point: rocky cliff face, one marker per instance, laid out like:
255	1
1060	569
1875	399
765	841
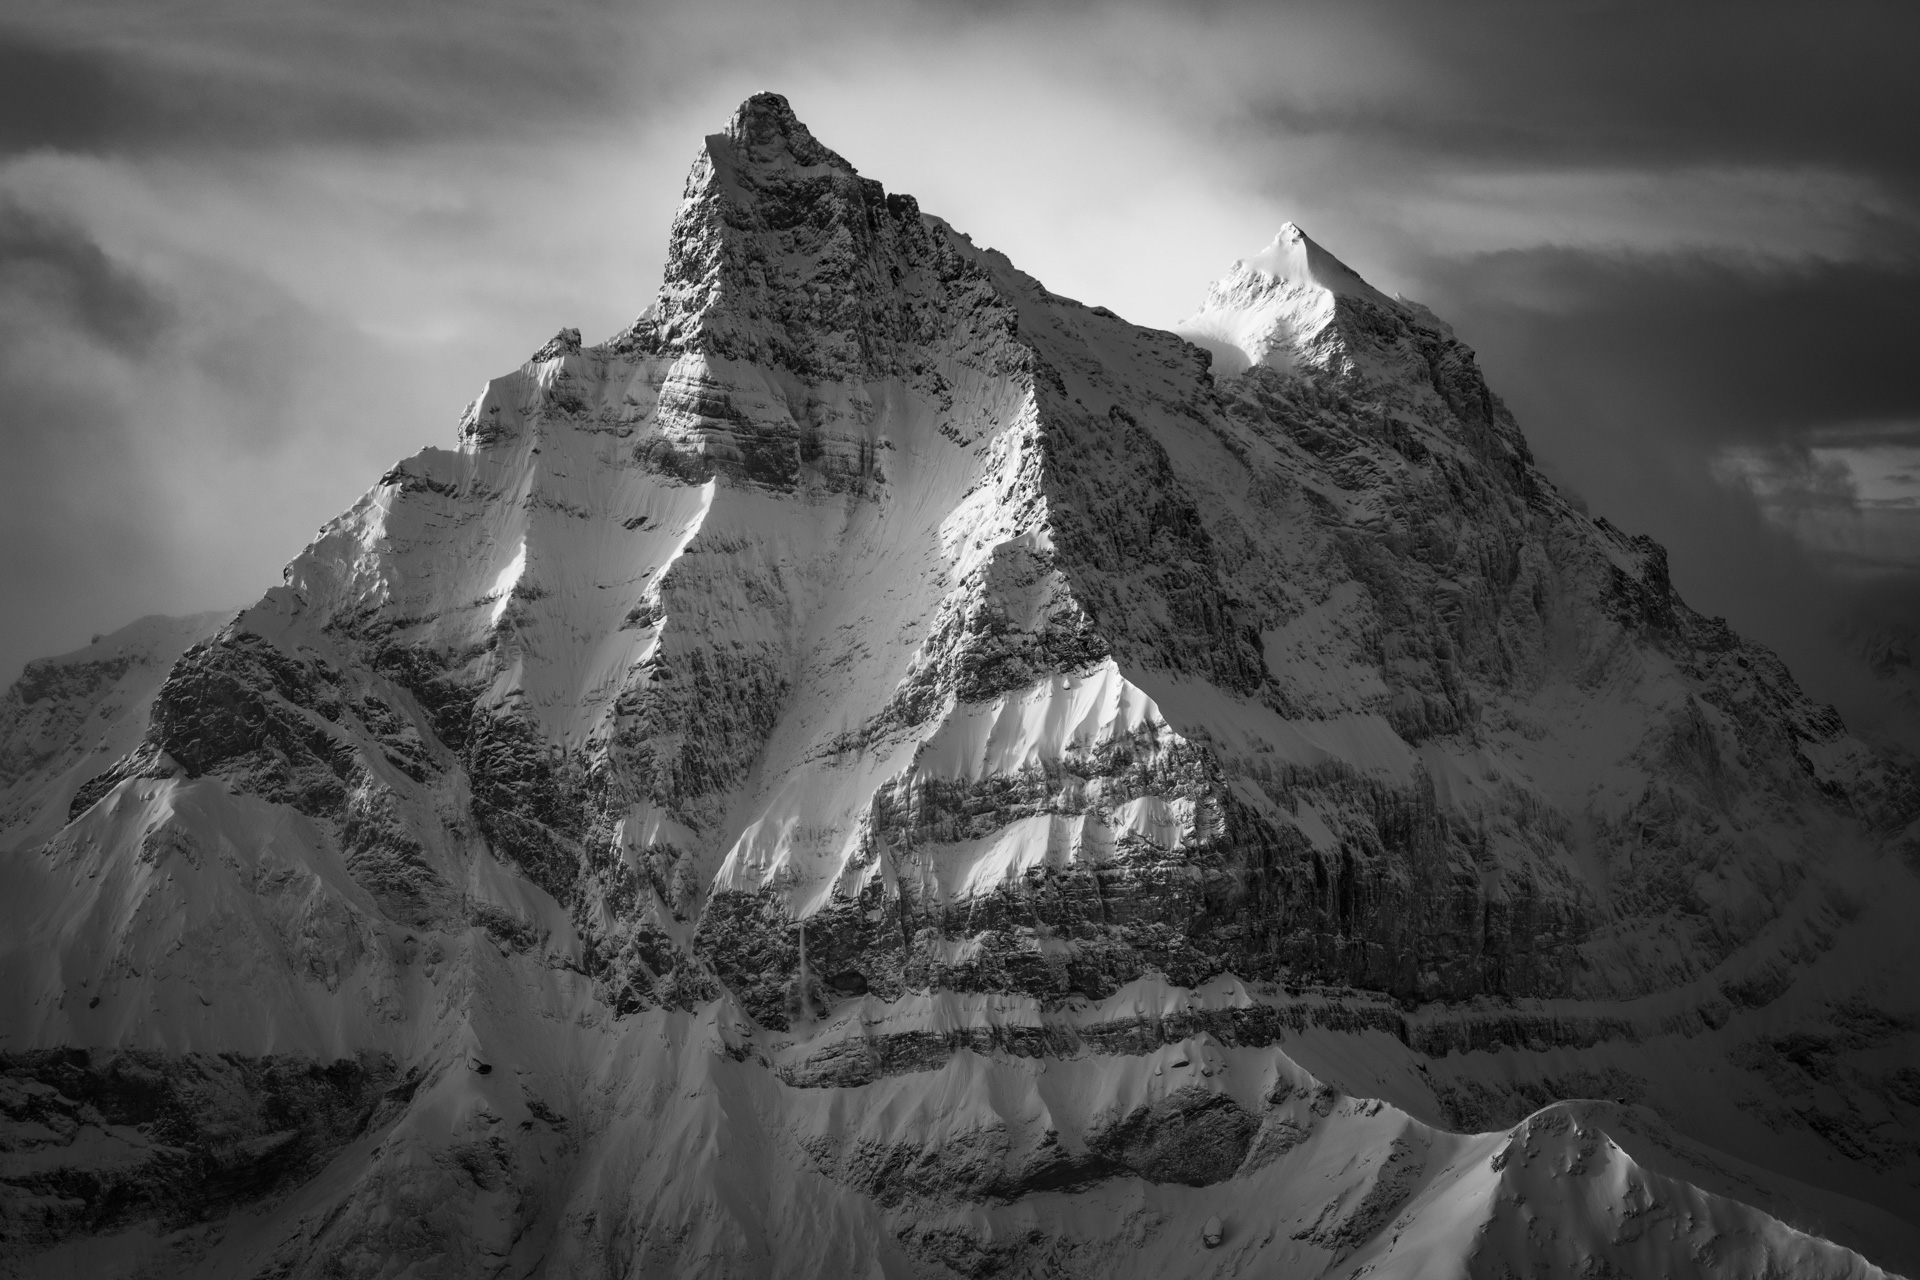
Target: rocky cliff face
882	769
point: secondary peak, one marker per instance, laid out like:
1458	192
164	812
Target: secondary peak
1295	256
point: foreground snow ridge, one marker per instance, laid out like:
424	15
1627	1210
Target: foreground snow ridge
878	769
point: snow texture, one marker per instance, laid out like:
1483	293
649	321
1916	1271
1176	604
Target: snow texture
879	769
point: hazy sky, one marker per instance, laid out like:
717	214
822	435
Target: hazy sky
253	252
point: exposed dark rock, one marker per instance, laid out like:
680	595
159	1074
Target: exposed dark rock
197	1135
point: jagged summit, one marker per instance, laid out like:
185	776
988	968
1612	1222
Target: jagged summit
1282	307
884	770
764	130
781	253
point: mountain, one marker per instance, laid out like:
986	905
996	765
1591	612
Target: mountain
1884	650
69	717
879	769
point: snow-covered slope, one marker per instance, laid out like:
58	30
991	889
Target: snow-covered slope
67	718
879	769
1275	308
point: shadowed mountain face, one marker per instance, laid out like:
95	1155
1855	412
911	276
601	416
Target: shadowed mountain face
881	769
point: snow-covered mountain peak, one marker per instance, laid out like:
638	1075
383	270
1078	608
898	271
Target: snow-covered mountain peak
1295	259
882	769
1279	308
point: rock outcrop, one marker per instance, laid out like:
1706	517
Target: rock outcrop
880	768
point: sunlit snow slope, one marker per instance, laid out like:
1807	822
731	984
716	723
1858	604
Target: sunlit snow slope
879	769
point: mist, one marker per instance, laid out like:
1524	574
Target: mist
250	255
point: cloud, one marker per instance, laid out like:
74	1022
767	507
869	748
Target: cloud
1747	415
251	253
1614	85
1774	216
1849	494
124	79
1713	348
53	262
167	447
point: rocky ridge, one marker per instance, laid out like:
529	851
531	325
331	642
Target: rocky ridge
872	716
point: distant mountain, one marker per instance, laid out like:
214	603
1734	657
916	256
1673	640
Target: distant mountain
1887	651
879	769
67	718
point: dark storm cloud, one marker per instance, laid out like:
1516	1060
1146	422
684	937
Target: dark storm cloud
1866	435
88	99
1717	348
240	79
1655	83
50	265
52	97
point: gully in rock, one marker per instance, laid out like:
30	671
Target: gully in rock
880	767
